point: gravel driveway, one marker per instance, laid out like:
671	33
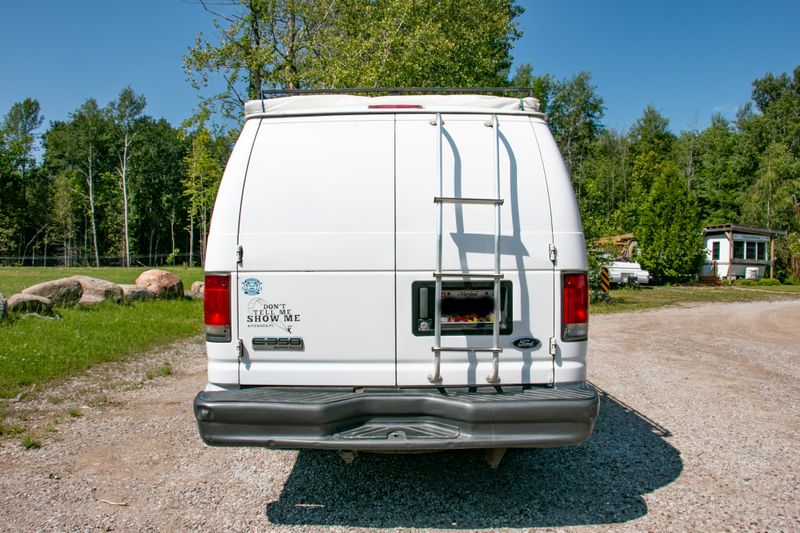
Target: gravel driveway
698	431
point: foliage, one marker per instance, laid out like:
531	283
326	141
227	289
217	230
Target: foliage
203	175
669	230
418	43
352	43
30	443
71	209
763	282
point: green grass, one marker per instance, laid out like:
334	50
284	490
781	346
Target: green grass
652	297
37	350
160	372
14	279
29	443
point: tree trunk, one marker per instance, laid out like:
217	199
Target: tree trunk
191	241
172	230
255	74
127	258
90	185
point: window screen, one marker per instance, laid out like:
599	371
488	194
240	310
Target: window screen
738	249
751	250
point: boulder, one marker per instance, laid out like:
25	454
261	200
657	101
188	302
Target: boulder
62	292
197	292
161	284
132	293
29	303
97	291
3	307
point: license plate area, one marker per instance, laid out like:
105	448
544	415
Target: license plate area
467	307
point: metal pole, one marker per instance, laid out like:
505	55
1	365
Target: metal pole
437	306
495	375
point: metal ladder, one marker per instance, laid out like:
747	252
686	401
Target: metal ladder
439	200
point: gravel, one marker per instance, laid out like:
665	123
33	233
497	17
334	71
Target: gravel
698	430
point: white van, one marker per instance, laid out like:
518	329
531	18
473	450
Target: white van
396	273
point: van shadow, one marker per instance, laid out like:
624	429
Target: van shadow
599	482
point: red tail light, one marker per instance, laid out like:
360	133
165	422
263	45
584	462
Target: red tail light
575	302
217	307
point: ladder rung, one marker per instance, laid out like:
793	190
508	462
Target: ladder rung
451	200
445	349
463	275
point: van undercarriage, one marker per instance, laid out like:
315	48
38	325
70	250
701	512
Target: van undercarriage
398	419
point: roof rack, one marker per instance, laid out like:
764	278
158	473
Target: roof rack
272	93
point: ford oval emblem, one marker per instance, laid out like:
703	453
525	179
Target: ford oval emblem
526	343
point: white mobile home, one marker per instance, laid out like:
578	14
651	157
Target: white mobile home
739	252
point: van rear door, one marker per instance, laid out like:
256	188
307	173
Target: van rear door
315	286
468	246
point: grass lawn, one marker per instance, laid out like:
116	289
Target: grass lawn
36	350
650	297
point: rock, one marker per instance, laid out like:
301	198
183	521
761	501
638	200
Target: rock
133	293
97	291
29	303
62	292
197	291
3	307
161	284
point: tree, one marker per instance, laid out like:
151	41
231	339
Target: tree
158	182
203	174
717	181
125	112
778	100
9	191
353	43
669	230
608	199
418	43
651	133
81	148
774	198
29	190
541	86
19	129
575	114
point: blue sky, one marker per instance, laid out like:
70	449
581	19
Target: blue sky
689	59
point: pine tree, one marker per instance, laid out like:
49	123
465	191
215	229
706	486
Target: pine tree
670	228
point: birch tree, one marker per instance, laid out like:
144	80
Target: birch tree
203	174
89	124
125	112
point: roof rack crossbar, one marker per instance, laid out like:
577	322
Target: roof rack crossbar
271	93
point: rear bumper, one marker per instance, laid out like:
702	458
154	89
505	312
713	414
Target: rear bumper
397	419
